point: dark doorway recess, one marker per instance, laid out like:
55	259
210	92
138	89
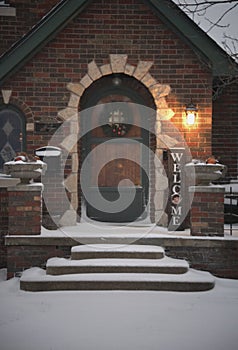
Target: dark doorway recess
119	124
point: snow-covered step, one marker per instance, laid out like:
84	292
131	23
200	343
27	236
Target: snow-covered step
36	279
116	251
57	266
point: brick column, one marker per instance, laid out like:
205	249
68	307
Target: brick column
207	211
5	182
3	225
24	209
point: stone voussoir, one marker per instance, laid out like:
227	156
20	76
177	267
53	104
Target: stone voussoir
93	71
118	63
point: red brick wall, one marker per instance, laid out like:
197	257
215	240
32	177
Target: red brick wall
103	28
23	257
3	225
225	128
217	257
207	213
220	257
24	212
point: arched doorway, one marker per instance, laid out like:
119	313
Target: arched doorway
118	134
12	133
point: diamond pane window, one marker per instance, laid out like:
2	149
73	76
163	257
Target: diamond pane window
12	134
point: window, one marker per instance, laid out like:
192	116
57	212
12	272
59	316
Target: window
12	133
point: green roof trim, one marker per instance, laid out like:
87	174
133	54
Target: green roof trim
24	49
39	35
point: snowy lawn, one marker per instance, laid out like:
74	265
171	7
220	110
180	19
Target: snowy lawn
119	320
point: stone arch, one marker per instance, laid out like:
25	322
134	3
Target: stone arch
117	64
7	98
13	132
25	115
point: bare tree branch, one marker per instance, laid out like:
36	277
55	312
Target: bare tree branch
230	44
203	12
199	9
218	21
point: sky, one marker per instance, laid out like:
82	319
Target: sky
229	22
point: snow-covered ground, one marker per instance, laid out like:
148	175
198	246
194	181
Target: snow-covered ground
118	320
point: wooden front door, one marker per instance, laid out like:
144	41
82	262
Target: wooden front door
116	152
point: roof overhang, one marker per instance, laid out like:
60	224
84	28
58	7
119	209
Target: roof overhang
220	63
24	49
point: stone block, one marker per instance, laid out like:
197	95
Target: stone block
68	113
71	182
148	80
86	81
6	95
106	69
77	89
160	90
164	114
73	100
70	142
161	103
129	69
118	63
93	71
69	218
74	200
75	162
142	69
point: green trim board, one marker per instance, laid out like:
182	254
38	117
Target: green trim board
31	43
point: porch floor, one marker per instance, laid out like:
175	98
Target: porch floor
136	230
94	232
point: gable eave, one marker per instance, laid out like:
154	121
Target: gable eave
216	58
39	36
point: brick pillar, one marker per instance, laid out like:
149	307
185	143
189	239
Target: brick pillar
24	209
3	225
207	211
5	182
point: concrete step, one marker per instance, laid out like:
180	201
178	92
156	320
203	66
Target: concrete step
61	266
116	251
36	279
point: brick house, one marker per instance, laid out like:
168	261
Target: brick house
60	58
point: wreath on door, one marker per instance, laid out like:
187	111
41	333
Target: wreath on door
117	120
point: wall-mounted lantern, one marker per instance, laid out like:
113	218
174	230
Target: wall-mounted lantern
191	114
